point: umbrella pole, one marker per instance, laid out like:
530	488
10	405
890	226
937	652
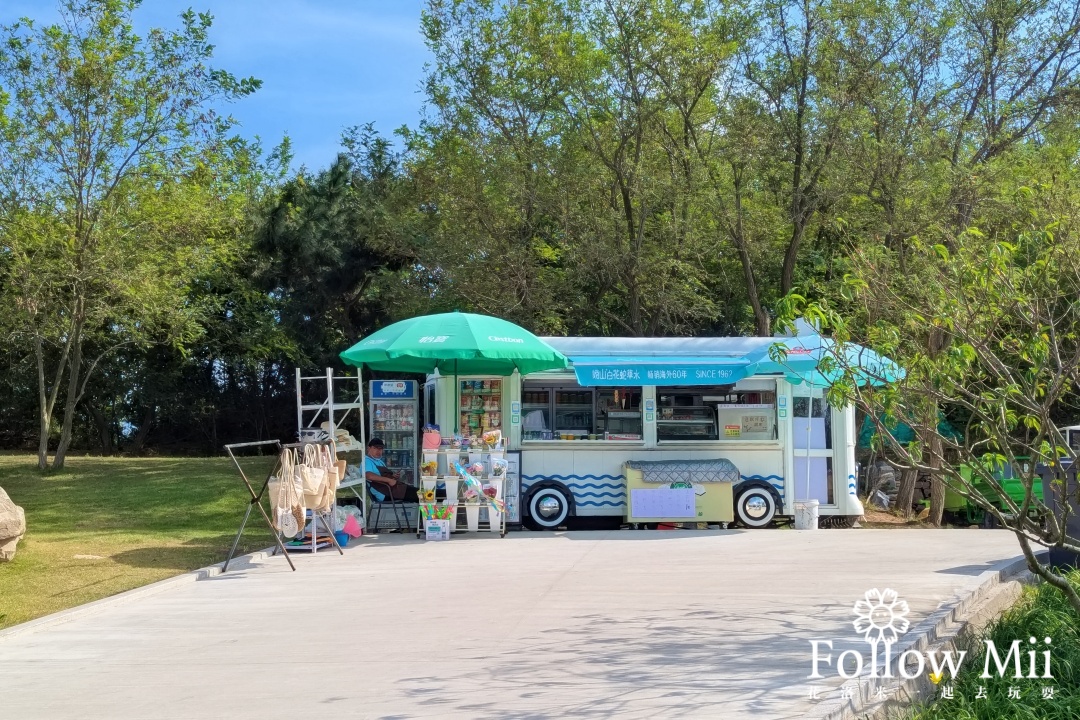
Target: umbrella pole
809	416
363	443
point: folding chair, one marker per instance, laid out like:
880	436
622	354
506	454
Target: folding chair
402	520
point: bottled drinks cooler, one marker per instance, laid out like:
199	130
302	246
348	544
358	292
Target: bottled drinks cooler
393	407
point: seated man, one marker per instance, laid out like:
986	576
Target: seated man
382	481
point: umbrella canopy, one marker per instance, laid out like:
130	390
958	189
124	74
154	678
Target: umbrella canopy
455	343
804	355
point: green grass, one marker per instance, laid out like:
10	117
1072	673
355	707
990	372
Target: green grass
145	518
1041	612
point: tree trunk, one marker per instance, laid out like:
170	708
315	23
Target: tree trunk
144	430
791	256
906	495
103	428
937	482
762	322
44	414
72	399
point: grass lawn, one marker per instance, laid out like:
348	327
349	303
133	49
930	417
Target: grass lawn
1041	612
106	525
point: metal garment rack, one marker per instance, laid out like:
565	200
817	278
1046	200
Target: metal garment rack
310	415
256	498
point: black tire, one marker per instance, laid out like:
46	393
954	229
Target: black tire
548	506
756	504
839	522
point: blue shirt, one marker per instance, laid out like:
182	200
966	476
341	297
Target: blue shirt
372	465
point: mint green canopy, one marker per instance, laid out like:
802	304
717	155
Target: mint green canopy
803	355
456	344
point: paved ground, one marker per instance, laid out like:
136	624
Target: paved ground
537	625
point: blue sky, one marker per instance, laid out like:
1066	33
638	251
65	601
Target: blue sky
325	64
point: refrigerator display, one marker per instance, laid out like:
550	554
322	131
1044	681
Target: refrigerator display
536	414
394	414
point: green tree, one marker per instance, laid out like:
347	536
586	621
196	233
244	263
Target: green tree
333	242
94	119
989	335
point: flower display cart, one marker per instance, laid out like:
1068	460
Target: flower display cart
477	487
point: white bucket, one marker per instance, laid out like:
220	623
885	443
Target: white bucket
806	514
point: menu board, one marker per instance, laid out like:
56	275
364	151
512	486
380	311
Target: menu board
662	502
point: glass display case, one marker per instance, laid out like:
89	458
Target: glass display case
561	411
536	414
573	414
686	423
618	412
747	413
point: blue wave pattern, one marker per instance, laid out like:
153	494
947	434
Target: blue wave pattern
587	488
851	486
775	480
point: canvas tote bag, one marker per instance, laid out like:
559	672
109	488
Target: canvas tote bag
286	496
312	471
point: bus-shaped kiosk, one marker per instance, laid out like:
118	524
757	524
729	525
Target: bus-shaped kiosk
647	430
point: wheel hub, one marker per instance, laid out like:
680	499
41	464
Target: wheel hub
756	507
548	507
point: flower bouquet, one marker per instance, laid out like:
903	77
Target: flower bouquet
492	439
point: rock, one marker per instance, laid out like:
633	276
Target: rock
880	500
12	526
882	476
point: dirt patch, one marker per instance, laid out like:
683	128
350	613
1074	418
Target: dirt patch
883	519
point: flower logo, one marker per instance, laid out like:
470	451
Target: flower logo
881	616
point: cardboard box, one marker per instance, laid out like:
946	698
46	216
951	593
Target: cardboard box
437	529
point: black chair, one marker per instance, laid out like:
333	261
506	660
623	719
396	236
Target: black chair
402	520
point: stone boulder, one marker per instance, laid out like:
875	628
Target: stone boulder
12	526
883	477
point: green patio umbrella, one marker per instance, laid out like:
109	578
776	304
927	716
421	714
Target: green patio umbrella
455	343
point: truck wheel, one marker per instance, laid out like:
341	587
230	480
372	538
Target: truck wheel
756	505
838	521
548	507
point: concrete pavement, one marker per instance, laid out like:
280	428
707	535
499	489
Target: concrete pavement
627	624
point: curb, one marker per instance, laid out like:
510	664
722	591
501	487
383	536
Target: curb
939	631
96	606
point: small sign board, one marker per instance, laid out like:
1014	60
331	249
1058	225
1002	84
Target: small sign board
393	389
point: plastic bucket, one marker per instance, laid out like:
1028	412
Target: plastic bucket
806	514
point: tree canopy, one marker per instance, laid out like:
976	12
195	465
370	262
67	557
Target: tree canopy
657	167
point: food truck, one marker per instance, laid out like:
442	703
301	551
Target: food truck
650	430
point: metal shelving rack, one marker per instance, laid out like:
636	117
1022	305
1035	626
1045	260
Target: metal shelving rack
310	415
